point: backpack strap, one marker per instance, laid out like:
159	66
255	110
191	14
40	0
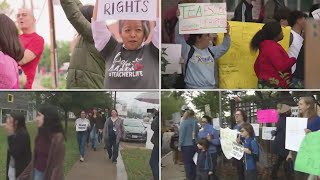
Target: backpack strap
190	54
216	69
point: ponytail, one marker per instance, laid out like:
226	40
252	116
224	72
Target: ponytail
257	39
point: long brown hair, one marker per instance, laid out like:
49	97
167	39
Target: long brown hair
311	111
9	39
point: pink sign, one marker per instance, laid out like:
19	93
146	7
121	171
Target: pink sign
267	116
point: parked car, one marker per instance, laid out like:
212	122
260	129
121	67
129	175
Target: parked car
134	130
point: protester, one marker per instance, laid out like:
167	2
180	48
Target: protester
19	149
211	135
205	168
282	16
87	67
154	159
82	125
10	54
141	68
201	71
278	145
188	133
105	116
89	117
251	151
96	127
243	11
273	65
49	150
113	131
33	44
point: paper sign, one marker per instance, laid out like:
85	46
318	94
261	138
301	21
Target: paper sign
195	158
295	132
236	66
266	133
127	10
256	129
207	109
316	14
172	55
216	123
227	138
267	116
308	158
237	151
81	127
295	111
201	18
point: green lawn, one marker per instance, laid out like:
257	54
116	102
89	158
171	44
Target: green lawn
71	147
136	162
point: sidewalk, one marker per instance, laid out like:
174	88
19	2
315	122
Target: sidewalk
97	167
171	171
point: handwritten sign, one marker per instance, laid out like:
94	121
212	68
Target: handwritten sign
236	66
237	151
316	14
256	128
227	138
201	18
127	10
267	116
81	127
266	133
308	158
295	132
172	55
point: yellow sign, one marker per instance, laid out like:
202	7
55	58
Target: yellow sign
236	66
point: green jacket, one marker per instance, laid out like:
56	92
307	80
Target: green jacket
87	67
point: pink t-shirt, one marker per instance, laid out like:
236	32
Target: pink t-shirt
9	73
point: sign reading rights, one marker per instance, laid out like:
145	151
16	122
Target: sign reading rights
201	18
127	10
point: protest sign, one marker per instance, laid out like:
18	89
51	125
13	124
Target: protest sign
201	18
295	132
256	128
236	66
237	151
216	123
227	138
316	14
266	133
308	158
172	56
127	10
267	116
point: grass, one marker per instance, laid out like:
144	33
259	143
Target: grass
136	162
46	81
71	155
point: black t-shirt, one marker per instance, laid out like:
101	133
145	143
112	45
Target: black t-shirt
111	132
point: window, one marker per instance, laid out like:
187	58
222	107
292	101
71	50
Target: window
10	98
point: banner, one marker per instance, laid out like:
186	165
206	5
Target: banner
267	116
127	10
202	18
266	133
256	129
295	132
236	66
237	151
227	138
308	158
172	53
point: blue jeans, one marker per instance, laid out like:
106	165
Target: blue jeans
154	162
82	138
94	137
189	166
37	175
113	148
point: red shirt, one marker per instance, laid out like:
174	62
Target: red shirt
273	61
35	44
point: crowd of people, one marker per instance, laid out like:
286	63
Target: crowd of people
200	137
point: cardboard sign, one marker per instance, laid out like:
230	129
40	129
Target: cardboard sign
295	132
237	151
216	123
172	55
236	66
316	14
308	158
266	133
256	129
127	10
201	18
267	116
227	138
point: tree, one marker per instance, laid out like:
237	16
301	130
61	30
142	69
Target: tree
171	103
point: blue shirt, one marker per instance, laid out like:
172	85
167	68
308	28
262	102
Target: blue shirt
252	145
314	125
185	132
215	140
204	161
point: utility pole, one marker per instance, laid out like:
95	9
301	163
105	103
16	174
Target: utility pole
53	46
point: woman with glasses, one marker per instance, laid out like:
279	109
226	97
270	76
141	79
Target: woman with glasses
82	125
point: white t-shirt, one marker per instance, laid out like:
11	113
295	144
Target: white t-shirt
12	170
82	124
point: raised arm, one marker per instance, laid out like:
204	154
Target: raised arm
220	50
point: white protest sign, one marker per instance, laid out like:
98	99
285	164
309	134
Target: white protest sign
237	151
295	111
295	132
81	127
172	53
316	14
201	18
266	133
227	138
216	123
256	129
207	109
195	158
127	10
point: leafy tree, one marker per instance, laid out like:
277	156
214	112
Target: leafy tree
171	102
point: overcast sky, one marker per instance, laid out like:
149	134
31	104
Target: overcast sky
129	98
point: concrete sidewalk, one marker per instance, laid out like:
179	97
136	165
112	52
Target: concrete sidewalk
171	171
97	166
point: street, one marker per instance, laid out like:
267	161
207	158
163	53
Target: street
147	145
